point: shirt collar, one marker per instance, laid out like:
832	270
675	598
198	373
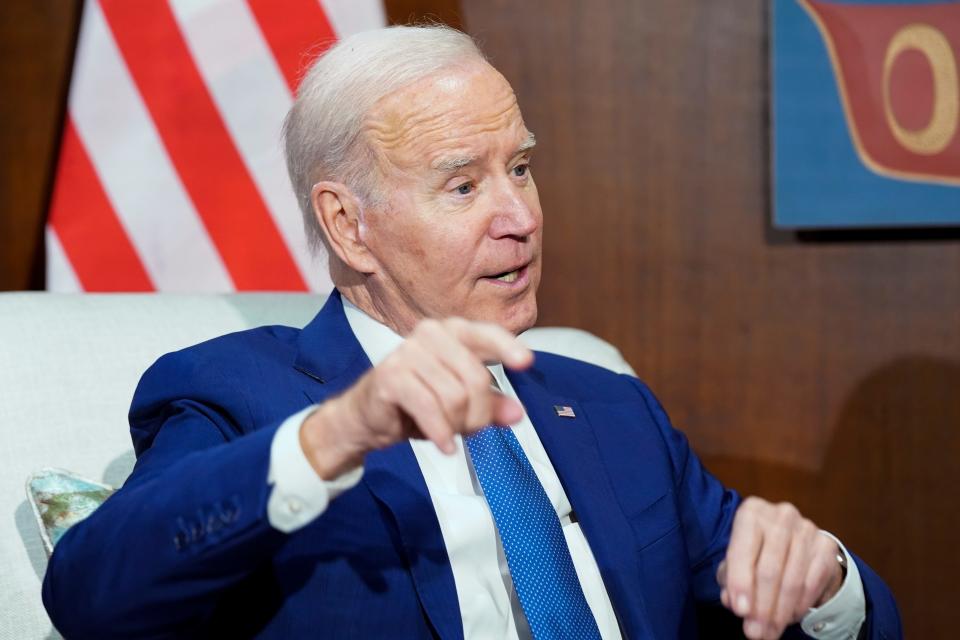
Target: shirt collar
375	338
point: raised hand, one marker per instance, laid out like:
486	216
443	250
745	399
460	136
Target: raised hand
434	386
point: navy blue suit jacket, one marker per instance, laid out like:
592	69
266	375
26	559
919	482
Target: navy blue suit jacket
185	547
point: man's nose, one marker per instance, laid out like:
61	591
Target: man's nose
514	215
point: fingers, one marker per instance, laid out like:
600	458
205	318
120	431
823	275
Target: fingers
459	379
722	581
420	404
462	346
506	411
778	565
444	381
777	539
439	386
742	554
490	342
791	601
472	395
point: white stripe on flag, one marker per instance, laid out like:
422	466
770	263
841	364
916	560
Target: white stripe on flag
252	97
136	173
60	274
348	17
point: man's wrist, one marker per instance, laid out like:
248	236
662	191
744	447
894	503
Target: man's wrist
323	438
298	493
843	615
837	576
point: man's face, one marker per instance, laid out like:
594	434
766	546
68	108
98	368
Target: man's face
459	232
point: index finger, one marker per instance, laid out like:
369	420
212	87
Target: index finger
491	342
742	553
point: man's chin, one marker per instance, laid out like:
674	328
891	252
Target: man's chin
516	316
519	320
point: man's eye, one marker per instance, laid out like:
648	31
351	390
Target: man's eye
520	170
465	188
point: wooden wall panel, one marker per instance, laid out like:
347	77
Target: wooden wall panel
416	11
824	370
37	39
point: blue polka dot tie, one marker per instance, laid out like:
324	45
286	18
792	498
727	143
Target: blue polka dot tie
533	542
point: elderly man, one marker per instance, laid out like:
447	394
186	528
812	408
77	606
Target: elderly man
349	479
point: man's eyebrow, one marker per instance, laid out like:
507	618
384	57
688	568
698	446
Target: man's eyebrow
526	145
451	164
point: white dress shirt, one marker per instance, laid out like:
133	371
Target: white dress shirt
488	603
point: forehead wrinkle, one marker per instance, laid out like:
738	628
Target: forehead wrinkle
391	130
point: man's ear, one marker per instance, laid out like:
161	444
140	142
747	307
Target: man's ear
338	212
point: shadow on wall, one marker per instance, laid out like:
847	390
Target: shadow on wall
889	486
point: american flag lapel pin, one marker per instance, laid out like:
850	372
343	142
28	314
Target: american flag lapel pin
563	411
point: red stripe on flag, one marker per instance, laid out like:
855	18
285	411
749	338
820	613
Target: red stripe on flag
200	146
297	31
96	244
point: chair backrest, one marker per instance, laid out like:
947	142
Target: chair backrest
68	368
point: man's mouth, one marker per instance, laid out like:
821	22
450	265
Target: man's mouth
510	276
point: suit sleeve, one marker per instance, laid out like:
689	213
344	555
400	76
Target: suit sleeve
706	509
189	523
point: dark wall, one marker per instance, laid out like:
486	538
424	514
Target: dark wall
36	48
824	370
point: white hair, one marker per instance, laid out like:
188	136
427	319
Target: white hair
322	132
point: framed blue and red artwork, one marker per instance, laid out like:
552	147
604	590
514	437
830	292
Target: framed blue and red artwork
865	113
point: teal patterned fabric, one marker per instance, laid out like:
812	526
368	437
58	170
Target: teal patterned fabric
61	499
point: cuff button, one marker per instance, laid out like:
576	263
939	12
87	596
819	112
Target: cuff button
820	626
294	505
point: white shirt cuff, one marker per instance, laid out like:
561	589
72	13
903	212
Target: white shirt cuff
299	495
840	617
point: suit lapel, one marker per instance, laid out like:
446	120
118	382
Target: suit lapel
330	355
394	477
328	352
571	444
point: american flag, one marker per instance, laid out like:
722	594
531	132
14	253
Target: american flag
564	411
171	174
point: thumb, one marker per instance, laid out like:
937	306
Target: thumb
506	411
